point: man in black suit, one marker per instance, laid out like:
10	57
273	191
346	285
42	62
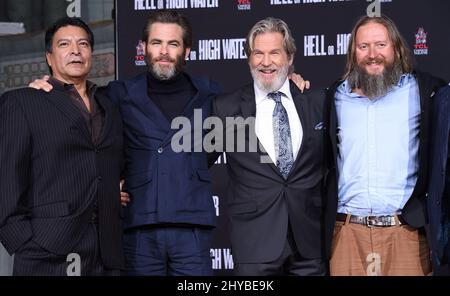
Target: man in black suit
275	195
61	158
438	201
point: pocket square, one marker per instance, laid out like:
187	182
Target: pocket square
319	126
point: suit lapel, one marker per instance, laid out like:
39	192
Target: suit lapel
62	102
332	121
138	92
196	102
300	103
248	109
333	127
248	104
107	106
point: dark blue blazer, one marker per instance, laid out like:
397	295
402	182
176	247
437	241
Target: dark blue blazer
438	202
165	186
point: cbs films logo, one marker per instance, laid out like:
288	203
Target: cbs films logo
244	4
139	58
421	48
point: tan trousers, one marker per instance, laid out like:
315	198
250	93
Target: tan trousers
361	250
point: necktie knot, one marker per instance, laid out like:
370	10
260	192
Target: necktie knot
276	96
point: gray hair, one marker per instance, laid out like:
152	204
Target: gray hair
267	25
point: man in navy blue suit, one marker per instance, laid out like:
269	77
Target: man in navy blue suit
439	186
169	221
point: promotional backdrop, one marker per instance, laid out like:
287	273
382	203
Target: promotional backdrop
321	29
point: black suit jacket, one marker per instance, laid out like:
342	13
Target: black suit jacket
261	202
52	174
439	186
414	212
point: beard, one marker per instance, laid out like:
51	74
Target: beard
375	85
166	72
275	84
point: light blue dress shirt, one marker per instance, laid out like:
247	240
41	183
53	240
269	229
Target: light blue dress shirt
378	143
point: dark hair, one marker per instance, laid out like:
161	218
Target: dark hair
169	17
401	50
64	22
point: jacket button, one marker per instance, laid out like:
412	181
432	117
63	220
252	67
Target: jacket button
99	178
160	150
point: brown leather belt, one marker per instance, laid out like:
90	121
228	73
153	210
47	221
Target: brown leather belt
379	221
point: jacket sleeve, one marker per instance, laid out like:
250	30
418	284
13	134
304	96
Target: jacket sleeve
15	162
116	92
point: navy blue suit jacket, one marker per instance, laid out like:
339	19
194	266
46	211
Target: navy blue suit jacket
165	186
438	197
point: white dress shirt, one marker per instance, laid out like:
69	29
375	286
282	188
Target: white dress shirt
263	122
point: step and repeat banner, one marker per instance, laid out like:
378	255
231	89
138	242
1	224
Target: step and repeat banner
321	29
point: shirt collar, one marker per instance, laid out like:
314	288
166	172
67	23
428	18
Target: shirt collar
60	85
262	95
404	79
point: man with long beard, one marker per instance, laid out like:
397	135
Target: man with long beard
379	124
275	201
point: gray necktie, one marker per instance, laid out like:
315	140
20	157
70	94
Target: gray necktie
282	136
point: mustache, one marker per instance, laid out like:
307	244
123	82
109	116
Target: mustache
264	68
165	58
377	60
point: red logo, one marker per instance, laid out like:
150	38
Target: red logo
421	48
139	58
244	4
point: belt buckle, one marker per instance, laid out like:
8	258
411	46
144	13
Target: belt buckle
368	221
386	220
381	221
